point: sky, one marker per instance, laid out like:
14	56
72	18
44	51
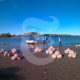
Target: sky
13	14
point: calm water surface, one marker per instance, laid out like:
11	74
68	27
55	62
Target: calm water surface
9	43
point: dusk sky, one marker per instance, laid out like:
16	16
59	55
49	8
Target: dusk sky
14	12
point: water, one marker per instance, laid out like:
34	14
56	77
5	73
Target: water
9	43
67	41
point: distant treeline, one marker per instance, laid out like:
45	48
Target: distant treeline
6	35
52	35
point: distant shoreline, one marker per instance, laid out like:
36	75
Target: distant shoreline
8	35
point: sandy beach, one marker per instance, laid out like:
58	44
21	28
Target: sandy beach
60	69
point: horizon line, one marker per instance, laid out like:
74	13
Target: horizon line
44	33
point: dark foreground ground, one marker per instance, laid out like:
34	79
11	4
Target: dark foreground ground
60	69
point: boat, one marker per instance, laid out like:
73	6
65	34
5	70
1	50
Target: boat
38	39
31	41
